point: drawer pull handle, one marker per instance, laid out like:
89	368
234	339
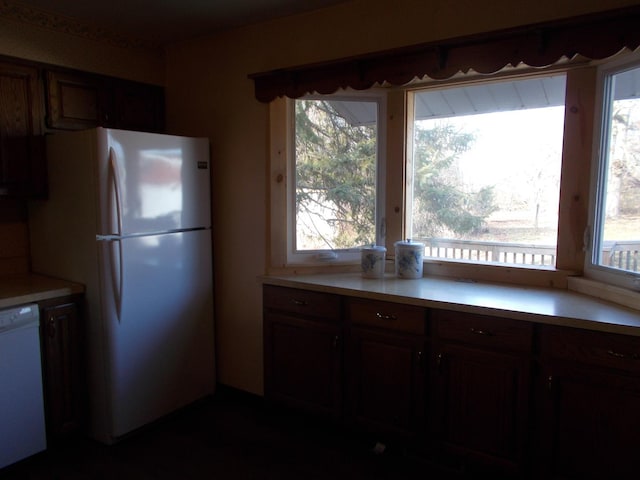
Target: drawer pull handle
633	356
384	316
299	303
481	332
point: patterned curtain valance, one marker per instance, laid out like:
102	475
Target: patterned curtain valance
594	36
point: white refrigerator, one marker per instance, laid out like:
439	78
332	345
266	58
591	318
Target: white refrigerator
128	215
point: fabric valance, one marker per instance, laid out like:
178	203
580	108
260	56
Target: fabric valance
595	36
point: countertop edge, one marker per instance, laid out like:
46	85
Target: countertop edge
575	309
33	288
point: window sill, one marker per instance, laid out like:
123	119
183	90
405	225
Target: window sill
603	291
524	275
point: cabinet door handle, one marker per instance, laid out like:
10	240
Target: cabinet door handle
439	363
336	342
385	316
419	358
51	327
477	331
550	382
633	356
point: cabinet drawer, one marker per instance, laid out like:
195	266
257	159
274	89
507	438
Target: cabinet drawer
483	330
595	348
387	315
302	302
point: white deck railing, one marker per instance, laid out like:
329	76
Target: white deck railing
622	254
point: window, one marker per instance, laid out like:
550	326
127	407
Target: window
337	202
487	172
615	216
485	162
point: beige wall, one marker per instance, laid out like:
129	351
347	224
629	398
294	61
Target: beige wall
208	93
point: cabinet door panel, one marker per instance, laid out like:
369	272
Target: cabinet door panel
139	107
77	101
22	166
63	369
593	426
387	381
480	404
303	364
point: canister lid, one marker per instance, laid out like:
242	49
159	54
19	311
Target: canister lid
408	243
374	248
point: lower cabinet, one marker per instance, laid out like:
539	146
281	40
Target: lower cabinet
588	410
63	366
303	350
386	365
482	393
480	388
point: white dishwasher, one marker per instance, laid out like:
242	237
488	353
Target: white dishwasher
22	423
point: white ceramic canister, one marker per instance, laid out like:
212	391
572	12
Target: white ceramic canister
409	257
373	259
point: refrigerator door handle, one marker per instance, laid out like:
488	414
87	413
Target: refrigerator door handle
120	282
116	275
115	184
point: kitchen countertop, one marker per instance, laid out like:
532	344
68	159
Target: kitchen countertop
540	305
30	288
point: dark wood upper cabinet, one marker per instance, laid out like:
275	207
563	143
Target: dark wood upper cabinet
139	107
21	143
77	100
37	98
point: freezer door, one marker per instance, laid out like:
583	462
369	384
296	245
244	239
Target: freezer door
152	183
158	322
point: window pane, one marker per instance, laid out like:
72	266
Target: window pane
335	174
618	233
486	171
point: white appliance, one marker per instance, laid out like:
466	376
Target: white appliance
21	400
128	215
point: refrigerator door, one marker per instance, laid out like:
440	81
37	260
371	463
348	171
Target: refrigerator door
151	183
158	313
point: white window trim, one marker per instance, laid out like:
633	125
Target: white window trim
342	256
593	271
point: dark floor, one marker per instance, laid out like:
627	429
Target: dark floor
232	435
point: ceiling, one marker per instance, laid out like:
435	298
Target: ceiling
165	21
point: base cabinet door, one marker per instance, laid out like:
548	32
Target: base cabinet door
386	382
593	426
303	350
480	390
385	355
303	364
63	367
588	401
479	405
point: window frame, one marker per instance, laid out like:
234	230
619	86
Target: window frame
598	175
286	163
468	82
574	185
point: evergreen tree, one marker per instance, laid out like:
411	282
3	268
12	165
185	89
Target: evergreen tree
335	177
441	207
